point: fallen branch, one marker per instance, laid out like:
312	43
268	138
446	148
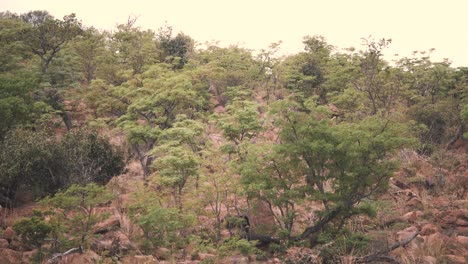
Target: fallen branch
60	255
383	254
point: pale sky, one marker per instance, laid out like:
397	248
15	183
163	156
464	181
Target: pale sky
412	24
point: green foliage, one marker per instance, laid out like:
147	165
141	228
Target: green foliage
464	118
234	246
175	50
33	231
178	155
355	159
42	164
155	106
162	227
46	36
348	244
91	158
75	211
18	108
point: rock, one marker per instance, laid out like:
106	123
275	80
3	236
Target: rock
219	109
437	240
28	255
163	253
4	243
125	243
139	259
88	257
206	256
452	259
406	233
461	230
463	240
10	256
429	229
107	225
412	216
415	203
9	233
236	259
428	260
99	246
461	222
452	216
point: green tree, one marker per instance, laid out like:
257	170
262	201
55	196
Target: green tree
380	83
77	204
133	47
47	36
178	156
163	95
41	164
174	50
342	165
162	227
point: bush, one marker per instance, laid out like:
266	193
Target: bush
33	231
243	246
42	164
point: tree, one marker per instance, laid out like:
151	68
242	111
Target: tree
174	50
18	106
89	47
306	71
379	82
13	52
154	107
162	227
133	47
42	164
178	156
342	165
77	204
47	36
227	68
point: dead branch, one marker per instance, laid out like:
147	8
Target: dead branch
60	255
383	254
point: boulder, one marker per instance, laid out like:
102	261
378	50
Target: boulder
206	256
236	259
428	260
107	225
463	240
406	233
461	230
28	255
10	256
412	216
429	229
125	243
437	240
88	257
163	253
415	203
461	222
139	259
9	234
452	259
4	243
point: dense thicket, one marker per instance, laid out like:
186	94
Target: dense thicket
218	131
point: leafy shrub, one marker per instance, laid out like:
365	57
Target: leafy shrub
41	163
234	245
33	231
75	215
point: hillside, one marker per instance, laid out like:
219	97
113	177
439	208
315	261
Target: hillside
136	146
